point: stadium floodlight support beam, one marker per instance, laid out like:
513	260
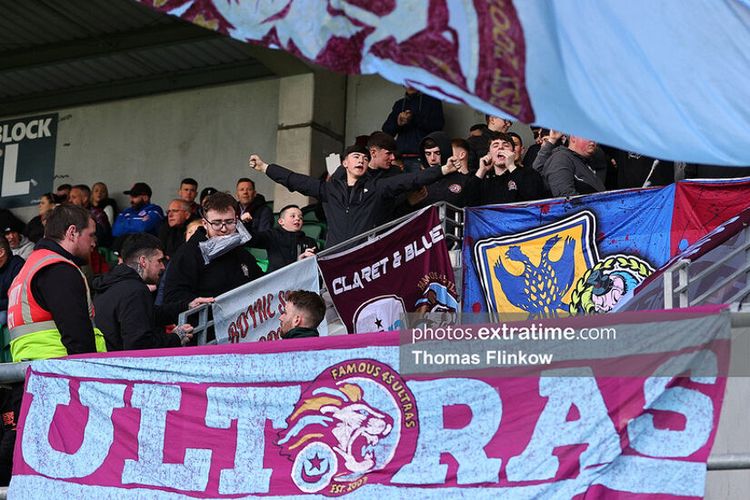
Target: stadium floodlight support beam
684	279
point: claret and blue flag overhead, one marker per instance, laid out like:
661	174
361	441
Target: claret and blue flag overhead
666	79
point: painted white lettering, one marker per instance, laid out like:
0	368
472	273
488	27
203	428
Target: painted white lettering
10	165
155	401
44	128
226	404
98	433
466	445
593	427
32	134
697	408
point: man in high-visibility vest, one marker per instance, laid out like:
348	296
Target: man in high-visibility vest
50	313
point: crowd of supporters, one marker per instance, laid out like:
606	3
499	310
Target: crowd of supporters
210	241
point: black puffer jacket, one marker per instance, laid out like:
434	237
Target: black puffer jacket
125	312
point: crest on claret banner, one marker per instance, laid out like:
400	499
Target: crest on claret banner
348	426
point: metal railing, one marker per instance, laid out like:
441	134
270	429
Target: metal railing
684	279
451	219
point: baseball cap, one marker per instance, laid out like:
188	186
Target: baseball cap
355	148
138	189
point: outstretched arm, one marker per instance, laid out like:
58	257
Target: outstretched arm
293	181
392	186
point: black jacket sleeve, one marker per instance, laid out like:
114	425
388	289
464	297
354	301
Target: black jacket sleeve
473	190
60	289
135	317
391	123
263	219
168	312
392	186
14	267
293	181
182	279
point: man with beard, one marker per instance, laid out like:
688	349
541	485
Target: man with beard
142	216
50	313
303	313
125	310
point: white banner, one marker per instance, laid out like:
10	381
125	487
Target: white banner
251	312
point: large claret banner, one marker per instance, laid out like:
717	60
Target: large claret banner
336	415
405	270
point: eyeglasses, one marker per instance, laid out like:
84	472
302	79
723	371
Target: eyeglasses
218	224
174	211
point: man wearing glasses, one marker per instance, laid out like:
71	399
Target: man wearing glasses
214	260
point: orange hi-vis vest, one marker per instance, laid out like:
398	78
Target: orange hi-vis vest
33	332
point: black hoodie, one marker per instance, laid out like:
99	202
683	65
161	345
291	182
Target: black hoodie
126	314
449	188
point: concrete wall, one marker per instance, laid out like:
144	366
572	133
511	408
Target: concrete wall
207	133
204	133
369	99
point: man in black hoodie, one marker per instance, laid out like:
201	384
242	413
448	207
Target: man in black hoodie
353	202
125	309
436	149
413	117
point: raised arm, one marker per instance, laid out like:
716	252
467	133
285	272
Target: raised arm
309	186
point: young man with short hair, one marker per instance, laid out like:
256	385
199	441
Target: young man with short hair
187	192
510	184
204	268
353	202
303	313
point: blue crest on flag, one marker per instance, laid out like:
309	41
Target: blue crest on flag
531	275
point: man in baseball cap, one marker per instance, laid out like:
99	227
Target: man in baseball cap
142	216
